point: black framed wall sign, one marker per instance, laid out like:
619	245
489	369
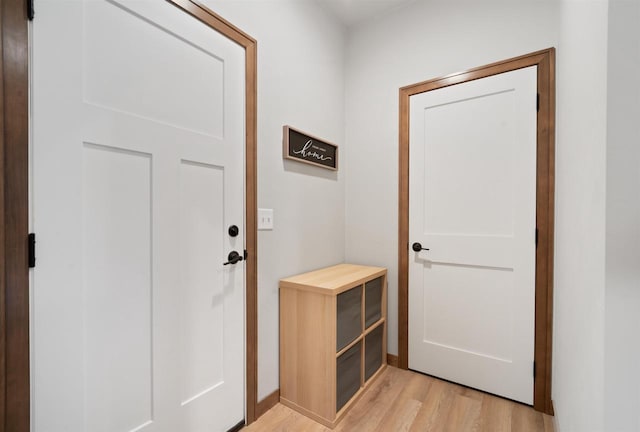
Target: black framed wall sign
306	148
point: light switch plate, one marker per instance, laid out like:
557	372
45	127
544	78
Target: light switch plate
265	219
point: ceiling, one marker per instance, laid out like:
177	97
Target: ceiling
353	11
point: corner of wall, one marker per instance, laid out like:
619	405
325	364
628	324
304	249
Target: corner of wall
579	293
622	377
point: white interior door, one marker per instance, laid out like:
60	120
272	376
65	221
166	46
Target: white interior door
472	204
137	173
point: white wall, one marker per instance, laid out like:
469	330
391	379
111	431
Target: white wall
300	83
423	40
622	323
578	345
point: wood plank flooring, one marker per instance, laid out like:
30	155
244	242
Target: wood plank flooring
407	401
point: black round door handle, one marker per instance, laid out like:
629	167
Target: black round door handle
233	258
417	247
233	231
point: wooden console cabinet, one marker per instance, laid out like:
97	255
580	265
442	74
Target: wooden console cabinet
333	338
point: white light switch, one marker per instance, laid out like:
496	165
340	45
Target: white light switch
265	219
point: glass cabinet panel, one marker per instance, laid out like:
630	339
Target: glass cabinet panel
348	375
373	351
349	319
373	301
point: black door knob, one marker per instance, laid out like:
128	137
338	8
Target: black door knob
233	258
417	247
233	231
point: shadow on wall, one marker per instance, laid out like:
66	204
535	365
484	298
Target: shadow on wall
309	170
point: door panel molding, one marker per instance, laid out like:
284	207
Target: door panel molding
545	60
14	203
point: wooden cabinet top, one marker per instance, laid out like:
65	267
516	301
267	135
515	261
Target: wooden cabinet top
333	280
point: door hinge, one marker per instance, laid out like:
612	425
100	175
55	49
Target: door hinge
534	370
32	250
538	102
536	236
30	10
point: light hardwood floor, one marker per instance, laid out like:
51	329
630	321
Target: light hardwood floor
407	401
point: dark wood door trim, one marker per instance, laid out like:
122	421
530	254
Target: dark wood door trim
545	60
14	272
14	204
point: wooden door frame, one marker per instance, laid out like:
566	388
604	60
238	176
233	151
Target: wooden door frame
14	205
545	60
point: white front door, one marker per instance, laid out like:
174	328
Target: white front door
472	204
137	173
